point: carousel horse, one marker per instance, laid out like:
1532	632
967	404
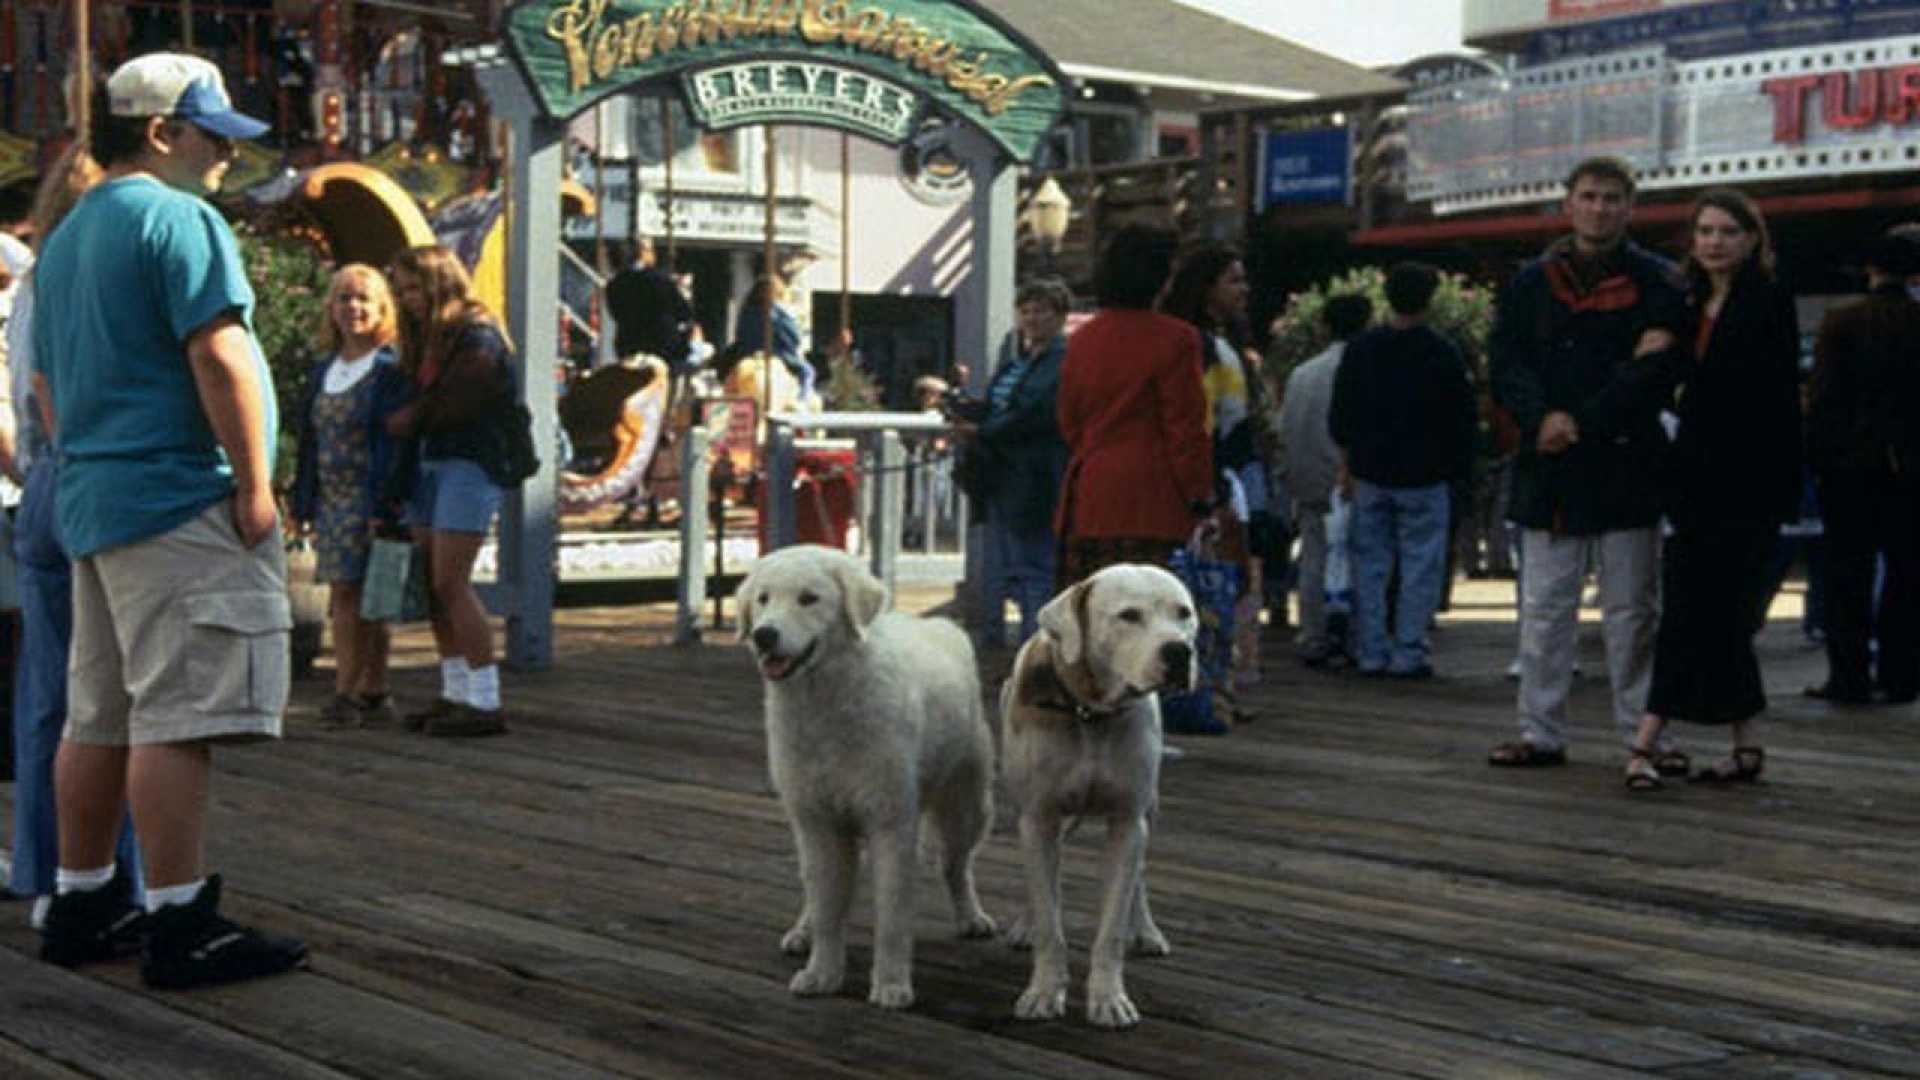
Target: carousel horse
614	417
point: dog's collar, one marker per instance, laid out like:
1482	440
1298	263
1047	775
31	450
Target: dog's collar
1072	686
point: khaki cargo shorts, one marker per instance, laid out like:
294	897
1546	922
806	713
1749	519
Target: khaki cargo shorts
180	638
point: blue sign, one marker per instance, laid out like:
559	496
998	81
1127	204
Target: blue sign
1306	167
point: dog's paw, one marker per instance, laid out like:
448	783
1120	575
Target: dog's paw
1042	1001
797	941
1151	942
1111	1008
894	995
978	925
808	982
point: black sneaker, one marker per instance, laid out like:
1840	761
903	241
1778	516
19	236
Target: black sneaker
89	927
420	718
191	945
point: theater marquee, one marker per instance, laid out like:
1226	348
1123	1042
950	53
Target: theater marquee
871	67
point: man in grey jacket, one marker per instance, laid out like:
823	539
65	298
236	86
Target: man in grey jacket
1310	465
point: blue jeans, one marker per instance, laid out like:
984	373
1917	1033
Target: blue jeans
1019	567
39	715
1409	524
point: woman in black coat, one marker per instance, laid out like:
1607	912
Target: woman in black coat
1733	477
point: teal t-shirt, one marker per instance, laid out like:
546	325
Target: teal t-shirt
125	280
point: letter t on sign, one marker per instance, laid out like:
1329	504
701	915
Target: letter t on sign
1790	105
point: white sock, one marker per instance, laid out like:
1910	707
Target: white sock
37	918
173	895
453	678
483	687
66	881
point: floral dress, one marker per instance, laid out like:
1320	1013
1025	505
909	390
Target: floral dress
341	537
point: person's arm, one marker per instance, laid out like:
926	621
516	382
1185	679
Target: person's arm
43	401
469	385
220	356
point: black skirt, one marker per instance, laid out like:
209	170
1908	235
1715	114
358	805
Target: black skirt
1704	666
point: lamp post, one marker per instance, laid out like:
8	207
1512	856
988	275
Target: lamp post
1050	211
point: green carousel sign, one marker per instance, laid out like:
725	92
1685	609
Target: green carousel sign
872	67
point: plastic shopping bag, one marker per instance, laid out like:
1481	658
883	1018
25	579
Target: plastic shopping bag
396	585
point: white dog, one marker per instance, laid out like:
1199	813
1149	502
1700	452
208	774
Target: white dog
872	721
1082	737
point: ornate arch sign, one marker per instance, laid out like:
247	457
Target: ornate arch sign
872	67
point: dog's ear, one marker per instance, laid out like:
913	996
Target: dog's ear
1064	618
743	608
863	598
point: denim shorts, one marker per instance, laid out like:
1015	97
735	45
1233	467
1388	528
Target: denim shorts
453	495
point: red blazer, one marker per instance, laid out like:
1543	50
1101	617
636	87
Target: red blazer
1134	417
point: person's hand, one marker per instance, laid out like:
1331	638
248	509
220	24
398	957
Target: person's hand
1652	341
1557	432
254	515
964	429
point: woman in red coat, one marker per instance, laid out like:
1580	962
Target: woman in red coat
1133	414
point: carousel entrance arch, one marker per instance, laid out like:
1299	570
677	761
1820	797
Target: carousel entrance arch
877	69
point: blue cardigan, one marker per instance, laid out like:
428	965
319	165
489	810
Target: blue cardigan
392	389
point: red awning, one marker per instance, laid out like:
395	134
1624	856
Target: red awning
1512	226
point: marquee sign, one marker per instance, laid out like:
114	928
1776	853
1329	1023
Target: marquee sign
871	67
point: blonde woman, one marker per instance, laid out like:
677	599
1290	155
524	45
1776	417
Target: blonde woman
345	459
461	364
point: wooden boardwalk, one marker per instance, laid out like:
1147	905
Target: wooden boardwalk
1349	890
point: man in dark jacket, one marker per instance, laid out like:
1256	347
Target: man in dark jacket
1585	478
650	313
1403	416
1863	441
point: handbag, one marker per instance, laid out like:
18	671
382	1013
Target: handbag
514	458
395	589
1215	584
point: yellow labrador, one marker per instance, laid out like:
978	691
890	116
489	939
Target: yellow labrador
874	720
1081	737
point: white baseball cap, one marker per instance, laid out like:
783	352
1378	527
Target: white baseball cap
187	87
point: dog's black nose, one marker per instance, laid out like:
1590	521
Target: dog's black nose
766	639
1177	656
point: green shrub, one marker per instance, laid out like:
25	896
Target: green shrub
289	277
1461	310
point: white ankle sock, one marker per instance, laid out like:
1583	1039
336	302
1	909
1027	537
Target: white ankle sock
66	881
483	687
37	918
173	895
453	678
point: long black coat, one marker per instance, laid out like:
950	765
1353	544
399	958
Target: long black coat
1737	456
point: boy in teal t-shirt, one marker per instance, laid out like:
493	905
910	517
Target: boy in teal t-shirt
164	422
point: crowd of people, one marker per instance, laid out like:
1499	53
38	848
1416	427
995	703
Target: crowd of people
1647	423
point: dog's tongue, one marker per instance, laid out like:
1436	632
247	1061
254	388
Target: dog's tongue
776	667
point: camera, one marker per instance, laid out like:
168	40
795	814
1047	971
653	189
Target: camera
957	405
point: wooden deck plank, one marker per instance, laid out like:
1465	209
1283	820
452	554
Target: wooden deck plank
1350	891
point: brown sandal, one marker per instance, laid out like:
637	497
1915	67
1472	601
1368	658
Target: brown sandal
1672	762
1521	754
1744	767
1642	773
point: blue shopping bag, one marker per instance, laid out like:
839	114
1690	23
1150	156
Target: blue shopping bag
1215	584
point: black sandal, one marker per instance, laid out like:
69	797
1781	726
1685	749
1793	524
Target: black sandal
1744	767
1672	761
1642	773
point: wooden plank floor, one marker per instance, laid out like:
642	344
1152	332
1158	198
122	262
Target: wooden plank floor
1349	890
